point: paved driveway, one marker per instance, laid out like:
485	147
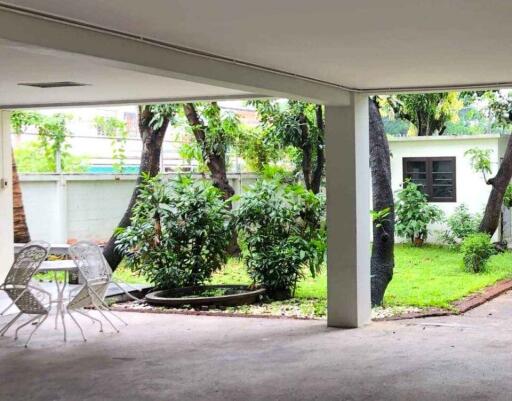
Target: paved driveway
172	357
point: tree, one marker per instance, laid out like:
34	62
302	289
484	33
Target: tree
153	123
52	135
214	132
382	259
116	130
300	126
256	150
19	121
500	106
427	112
21	232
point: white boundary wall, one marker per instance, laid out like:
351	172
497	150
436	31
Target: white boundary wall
61	208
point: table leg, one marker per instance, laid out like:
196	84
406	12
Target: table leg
64	285
55	278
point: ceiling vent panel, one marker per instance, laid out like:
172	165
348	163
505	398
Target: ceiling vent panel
50	85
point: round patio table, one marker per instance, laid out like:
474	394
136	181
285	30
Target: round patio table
56	266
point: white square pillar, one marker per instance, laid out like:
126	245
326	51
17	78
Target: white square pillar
348	214
6	216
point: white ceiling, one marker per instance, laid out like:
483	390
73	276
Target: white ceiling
361	44
104	84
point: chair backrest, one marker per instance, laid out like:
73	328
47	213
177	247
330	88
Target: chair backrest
41	243
25	265
90	261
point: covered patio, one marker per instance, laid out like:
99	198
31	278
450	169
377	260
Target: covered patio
172	357
62	53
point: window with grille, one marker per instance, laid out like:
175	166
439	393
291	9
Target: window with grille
436	176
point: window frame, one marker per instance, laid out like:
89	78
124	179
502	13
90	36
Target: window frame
429	161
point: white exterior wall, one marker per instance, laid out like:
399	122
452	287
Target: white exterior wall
470	186
62	208
6	216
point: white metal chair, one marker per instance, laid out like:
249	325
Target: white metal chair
46	246
96	276
22	293
105	267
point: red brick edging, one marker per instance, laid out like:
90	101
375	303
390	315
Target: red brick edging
466	304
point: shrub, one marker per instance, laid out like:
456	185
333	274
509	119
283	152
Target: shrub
507	197
282	231
476	250
178	234
414	214
461	224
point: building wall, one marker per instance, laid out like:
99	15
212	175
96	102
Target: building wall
63	208
6	215
470	186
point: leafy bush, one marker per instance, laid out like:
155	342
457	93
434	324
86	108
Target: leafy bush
461	224
507	197
178	234
282	231
414	214
476	251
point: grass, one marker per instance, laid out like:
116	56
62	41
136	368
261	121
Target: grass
431	276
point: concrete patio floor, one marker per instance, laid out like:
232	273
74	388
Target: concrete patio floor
173	357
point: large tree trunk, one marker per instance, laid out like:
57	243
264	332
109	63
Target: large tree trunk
216	162
21	233
318	172
152	140
499	184
307	170
382	259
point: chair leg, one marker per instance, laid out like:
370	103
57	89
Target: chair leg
13	302
9	324
61	311
101	304
77	324
41	321
107	319
126	292
92	318
25	324
117	317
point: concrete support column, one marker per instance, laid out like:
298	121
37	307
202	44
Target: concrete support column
348	212
6	216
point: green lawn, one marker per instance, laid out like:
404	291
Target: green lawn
431	276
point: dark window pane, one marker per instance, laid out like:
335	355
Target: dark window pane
416	167
442	191
416	171
442	178
442	166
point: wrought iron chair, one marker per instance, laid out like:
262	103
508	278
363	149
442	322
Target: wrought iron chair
104	266
46	246
22	293
96	276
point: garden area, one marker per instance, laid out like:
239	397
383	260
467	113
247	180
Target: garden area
189	237
428	277
181	230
